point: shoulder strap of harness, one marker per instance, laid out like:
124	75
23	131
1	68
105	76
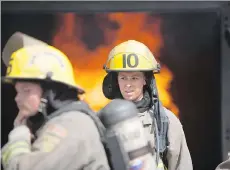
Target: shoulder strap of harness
161	121
82	107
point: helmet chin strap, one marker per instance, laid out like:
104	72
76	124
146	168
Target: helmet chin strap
36	121
43	107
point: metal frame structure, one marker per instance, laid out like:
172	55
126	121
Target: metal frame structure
222	8
107	6
225	81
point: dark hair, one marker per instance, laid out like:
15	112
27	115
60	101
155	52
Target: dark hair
57	95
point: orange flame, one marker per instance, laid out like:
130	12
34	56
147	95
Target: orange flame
88	63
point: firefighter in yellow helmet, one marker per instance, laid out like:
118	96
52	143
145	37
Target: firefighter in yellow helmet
130	67
53	129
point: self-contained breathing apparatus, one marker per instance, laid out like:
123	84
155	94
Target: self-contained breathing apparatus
125	137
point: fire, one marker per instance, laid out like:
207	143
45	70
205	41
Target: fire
88	63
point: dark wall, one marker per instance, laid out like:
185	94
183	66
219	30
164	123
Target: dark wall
191	50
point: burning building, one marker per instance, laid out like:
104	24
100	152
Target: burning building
187	39
88	54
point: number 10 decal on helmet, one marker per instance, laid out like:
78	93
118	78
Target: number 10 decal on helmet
122	58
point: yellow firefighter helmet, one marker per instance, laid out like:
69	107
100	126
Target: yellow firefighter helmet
131	55
27	58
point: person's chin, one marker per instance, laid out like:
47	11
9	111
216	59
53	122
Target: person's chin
130	98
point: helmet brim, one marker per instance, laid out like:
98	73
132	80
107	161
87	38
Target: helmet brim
132	70
12	80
